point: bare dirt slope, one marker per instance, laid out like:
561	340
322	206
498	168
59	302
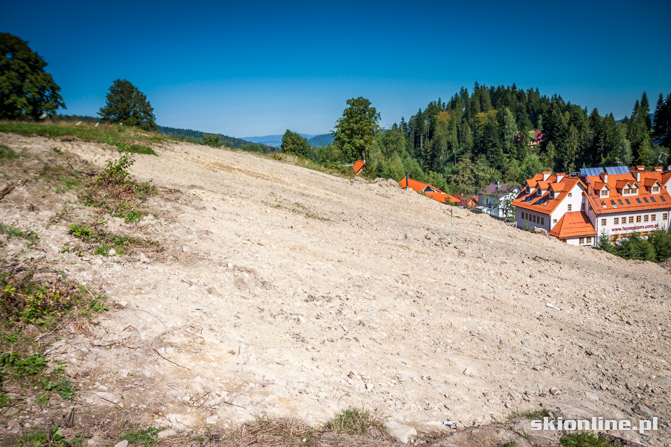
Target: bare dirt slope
289	292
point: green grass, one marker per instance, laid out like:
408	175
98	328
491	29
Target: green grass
537	414
125	139
102	241
29	236
584	439
353	422
145	438
509	444
7	153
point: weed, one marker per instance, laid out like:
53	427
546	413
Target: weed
57	150
116	171
52	439
29	236
80	231
584	439
509	444
145	438
7	153
64	388
537	414
354	422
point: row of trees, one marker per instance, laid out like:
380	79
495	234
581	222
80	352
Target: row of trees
474	139
27	91
656	248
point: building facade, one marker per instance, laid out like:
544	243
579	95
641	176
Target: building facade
613	201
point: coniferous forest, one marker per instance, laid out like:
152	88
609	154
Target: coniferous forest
485	135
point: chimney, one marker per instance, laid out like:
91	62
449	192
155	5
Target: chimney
637	174
640	167
560	176
604	177
658	169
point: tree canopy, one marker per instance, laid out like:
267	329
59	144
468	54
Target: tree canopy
129	106
293	143
355	130
26	90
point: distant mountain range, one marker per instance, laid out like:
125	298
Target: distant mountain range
276	140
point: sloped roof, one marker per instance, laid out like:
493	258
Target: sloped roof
416	185
358	166
544	203
498	188
643	200
572	225
442	197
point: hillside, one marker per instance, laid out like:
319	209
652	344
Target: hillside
276	140
267	288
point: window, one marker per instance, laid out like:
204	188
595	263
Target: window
645	218
665	216
653	199
604	193
631	219
582	240
570	194
628	202
638	219
653	217
542	220
603	222
589	240
569	207
616	221
645	199
620	202
655	189
554	221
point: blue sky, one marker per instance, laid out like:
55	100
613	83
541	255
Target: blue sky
257	68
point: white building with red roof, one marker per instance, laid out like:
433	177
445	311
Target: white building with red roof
615	201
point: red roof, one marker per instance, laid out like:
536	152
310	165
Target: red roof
358	166
418	186
530	199
430	190
617	202
571	225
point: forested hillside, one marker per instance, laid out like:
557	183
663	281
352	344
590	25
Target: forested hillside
482	136
196	136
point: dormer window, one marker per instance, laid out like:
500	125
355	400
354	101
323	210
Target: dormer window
604	193
655	190
634	190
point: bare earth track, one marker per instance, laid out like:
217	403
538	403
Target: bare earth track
288	292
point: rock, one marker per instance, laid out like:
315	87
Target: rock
643	410
211	420
123	443
109	398
538	230
144	259
403	433
591	395
468	372
167	433
112	252
554	391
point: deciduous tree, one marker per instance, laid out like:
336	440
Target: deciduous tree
26	90
355	130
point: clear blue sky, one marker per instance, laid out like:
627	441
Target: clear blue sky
256	68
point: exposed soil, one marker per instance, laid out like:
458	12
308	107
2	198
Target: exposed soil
284	291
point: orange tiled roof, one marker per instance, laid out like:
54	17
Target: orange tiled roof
617	203
574	224
544	204
358	166
442	197
416	185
